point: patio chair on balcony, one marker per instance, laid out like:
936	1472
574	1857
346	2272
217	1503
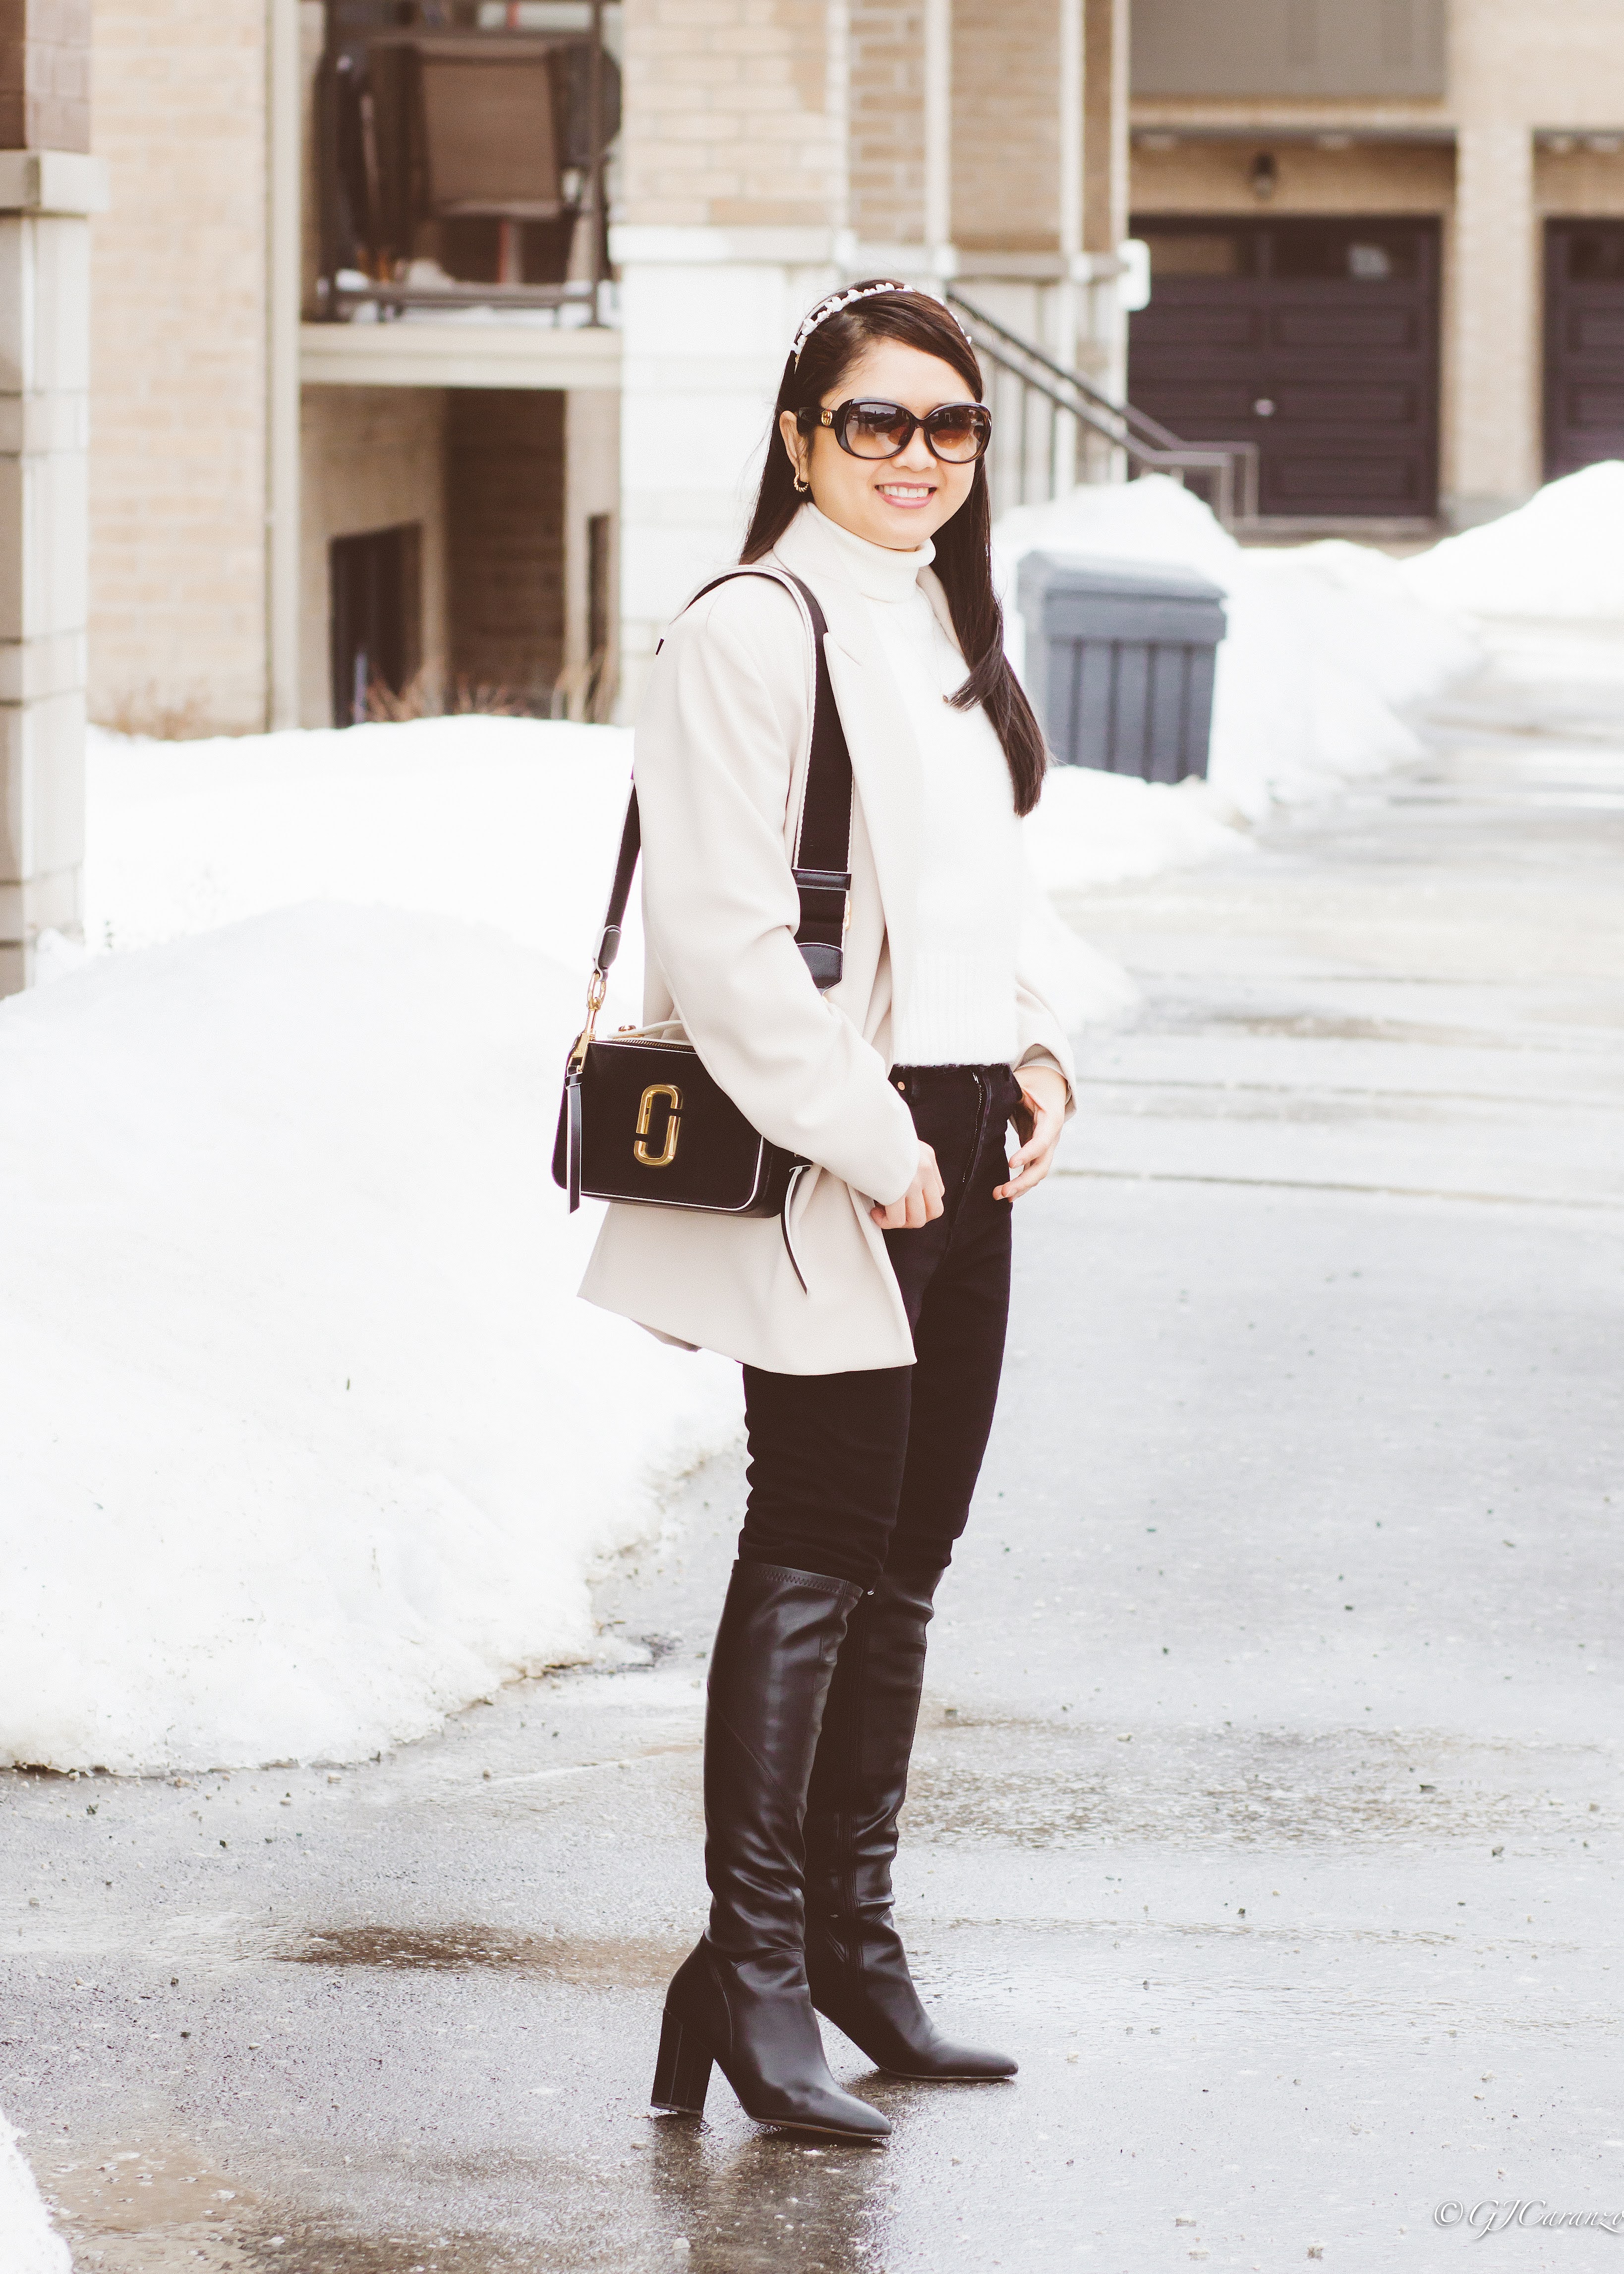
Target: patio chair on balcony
452	162
486	146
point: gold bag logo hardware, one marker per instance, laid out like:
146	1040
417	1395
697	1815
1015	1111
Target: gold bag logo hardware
645	1113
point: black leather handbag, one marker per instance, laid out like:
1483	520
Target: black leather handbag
641	1119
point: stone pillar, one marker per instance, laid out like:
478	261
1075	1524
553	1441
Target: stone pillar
1103	354
48	186
1492	353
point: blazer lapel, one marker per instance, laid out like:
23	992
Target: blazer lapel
886	760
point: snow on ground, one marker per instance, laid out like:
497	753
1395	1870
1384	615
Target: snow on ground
1561	556
1328	649
27	2245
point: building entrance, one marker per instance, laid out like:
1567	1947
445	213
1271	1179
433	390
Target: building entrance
1318	339
1584	344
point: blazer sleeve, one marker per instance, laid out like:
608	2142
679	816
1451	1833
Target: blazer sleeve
726	711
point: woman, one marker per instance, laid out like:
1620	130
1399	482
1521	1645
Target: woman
869	1391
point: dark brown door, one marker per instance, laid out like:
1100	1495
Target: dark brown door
1584	344
1318	339
376	626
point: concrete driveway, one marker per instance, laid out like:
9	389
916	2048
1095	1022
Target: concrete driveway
1267	1798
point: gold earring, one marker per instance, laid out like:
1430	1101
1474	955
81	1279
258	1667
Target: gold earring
802	489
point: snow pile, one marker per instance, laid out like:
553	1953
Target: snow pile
495	820
311	1442
1560	555
1327	646
1095	828
498	821
27	2245
308	1440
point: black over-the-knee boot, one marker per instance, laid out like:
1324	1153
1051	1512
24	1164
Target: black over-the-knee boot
855	1961
740	1999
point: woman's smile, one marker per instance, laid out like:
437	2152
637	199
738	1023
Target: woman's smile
874	497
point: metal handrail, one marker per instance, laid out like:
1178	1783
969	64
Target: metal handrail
1142	421
1148	445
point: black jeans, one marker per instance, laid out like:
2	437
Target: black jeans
851	1473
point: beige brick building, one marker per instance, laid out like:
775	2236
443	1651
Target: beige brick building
179	327
257	403
428	361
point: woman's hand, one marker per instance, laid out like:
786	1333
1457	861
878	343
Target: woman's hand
920	1204
1043	1089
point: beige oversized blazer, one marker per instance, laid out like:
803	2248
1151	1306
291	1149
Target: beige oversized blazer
720	755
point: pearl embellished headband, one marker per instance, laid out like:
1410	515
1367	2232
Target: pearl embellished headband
838	301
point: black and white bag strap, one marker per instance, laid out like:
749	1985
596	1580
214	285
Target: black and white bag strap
823	841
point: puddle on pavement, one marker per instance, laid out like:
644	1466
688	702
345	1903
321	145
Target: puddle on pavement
318	2246
1033	1786
157	2211
588	1962
126	2210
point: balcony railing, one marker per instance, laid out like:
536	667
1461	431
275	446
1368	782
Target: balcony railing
462	153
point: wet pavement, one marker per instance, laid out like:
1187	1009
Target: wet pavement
1267	1801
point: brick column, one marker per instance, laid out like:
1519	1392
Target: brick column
48	185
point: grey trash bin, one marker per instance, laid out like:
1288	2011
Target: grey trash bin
1120	657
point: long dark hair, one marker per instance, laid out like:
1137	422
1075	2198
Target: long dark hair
963	545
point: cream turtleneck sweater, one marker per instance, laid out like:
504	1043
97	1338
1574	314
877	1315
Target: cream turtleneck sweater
960	1010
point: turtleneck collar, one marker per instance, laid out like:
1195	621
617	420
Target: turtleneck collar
878	572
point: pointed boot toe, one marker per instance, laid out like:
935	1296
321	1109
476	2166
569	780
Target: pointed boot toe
837	2115
947	2063
865	1989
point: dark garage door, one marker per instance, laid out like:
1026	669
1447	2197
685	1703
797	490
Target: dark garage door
1318	339
1584	344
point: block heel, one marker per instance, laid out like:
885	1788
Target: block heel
682	2072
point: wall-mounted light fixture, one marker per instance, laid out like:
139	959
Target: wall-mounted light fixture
1133	281
1264	176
